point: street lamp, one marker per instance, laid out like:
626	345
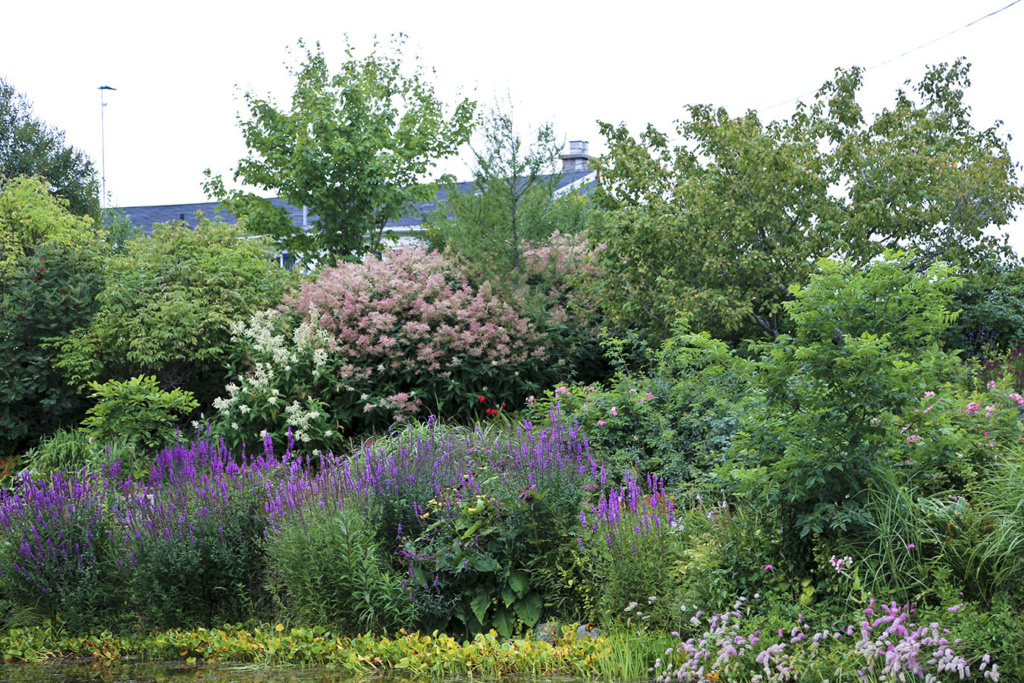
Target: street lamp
103	143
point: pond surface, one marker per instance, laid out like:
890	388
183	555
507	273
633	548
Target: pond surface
174	672
165	672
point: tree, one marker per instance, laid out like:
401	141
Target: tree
28	147
829	402
167	307
354	148
31	217
721	224
514	232
512	204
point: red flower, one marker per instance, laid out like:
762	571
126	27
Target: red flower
482	399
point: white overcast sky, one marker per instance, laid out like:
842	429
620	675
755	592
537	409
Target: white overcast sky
180	67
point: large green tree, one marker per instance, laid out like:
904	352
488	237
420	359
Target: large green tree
354	147
167	307
29	147
720	223
50	272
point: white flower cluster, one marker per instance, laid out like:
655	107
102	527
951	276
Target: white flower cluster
274	355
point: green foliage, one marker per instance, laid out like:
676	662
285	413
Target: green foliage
118	229
167	307
326	569
210	573
673	416
509	208
491	550
136	412
723	223
991	319
353	148
72	450
730	551
47	296
29	147
824	419
30	217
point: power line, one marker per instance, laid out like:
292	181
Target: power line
904	54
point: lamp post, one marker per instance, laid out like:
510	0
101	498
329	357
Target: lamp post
103	144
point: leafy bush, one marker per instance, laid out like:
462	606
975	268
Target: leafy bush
47	296
379	341
167	307
829	401
136	412
286	388
673	419
991	313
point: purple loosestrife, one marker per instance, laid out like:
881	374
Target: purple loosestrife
54	537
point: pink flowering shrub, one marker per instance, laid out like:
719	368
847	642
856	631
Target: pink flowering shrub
409	335
949	437
553	292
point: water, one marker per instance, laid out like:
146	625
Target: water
177	672
166	672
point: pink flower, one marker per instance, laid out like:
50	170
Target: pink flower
601	423
530	400
972	408
910	546
650	395
991	385
613	411
769	568
913	438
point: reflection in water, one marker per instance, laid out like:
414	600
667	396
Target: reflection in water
163	672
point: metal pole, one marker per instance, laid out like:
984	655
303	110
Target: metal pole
103	144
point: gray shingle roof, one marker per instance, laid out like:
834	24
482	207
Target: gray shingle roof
147	216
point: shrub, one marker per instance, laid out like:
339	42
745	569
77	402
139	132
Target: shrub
136	412
287	388
819	426
380	341
167	306
673	418
47	296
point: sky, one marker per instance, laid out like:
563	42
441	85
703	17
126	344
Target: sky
180	69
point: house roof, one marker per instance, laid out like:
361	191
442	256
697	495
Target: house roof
146	217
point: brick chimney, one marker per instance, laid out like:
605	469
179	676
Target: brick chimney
576	159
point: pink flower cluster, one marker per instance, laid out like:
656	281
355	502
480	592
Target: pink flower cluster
414	311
